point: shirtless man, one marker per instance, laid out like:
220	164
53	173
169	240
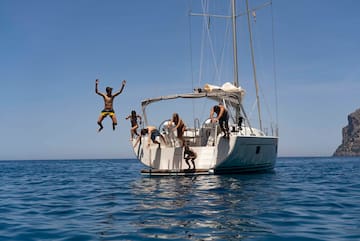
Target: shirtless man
108	101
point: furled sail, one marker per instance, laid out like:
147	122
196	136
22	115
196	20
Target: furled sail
227	87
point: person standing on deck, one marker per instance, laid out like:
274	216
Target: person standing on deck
222	116
108	101
180	127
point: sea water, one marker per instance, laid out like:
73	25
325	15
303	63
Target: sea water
302	199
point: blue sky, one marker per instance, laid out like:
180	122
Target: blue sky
51	52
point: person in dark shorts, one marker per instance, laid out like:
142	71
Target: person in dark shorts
153	134
134	123
108	101
189	155
222	116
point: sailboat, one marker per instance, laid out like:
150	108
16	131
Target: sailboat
245	149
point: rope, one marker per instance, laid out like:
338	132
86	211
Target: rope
211	45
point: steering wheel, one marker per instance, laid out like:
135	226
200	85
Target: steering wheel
207	122
163	127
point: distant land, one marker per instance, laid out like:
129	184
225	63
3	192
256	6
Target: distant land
350	137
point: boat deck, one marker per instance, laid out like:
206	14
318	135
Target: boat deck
179	172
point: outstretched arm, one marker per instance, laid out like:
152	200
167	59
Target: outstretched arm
122	87
96	88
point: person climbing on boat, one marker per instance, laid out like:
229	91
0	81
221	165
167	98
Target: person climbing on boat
108	101
153	133
179	125
241	120
189	154
222	116
134	123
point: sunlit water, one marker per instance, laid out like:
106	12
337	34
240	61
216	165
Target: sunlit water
302	199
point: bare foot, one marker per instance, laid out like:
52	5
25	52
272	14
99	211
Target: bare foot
101	126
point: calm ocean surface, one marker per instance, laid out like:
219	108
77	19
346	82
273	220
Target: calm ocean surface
303	199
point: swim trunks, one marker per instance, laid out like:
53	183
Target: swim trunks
134	121
154	134
224	119
189	154
106	112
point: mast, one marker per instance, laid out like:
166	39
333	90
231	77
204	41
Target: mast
235	54
253	64
233	19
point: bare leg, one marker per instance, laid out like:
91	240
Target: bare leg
226	126
187	162
133	131
182	140
113	117
226	133
180	134
192	160
101	118
163	139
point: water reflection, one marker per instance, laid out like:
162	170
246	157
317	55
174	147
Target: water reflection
204	207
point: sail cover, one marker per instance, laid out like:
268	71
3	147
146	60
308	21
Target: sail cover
226	87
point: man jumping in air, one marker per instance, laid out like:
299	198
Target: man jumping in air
108	101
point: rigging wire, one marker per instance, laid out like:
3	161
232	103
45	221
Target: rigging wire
191	53
211	44
275	82
264	102
253	63
226	36
274	70
202	50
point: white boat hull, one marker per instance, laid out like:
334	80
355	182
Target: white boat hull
237	154
248	154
